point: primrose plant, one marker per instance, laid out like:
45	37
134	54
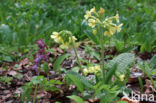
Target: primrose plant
39	82
110	79
104	26
66	40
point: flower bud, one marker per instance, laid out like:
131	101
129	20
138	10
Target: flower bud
94	32
101	10
121	77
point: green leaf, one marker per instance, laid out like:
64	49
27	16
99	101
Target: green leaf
26	92
86	83
108	98
46	68
77	82
58	62
77	99
55	82
7	59
110	74
124	62
100	87
37	79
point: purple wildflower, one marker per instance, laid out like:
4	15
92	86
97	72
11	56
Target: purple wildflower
42	55
34	66
41	44
37	60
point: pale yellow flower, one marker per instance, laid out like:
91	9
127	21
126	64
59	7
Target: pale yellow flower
60	40
63	38
121	77
117	17
112	30
107	33
88	14
74	38
55	36
85	71
64	46
94	32
101	10
55	33
107	23
118	28
91	23
97	67
91	69
93	10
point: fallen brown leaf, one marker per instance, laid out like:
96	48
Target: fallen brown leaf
12	73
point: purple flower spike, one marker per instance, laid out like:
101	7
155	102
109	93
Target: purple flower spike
40	43
42	55
37	60
34	66
41	50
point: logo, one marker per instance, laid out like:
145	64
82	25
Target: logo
141	97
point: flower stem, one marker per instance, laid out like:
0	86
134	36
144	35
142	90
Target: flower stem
78	60
109	42
102	54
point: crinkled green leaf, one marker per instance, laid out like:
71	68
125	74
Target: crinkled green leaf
124	62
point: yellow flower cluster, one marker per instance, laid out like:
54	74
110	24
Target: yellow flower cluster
64	38
93	69
97	19
112	30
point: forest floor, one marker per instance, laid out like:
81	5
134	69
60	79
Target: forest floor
21	73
